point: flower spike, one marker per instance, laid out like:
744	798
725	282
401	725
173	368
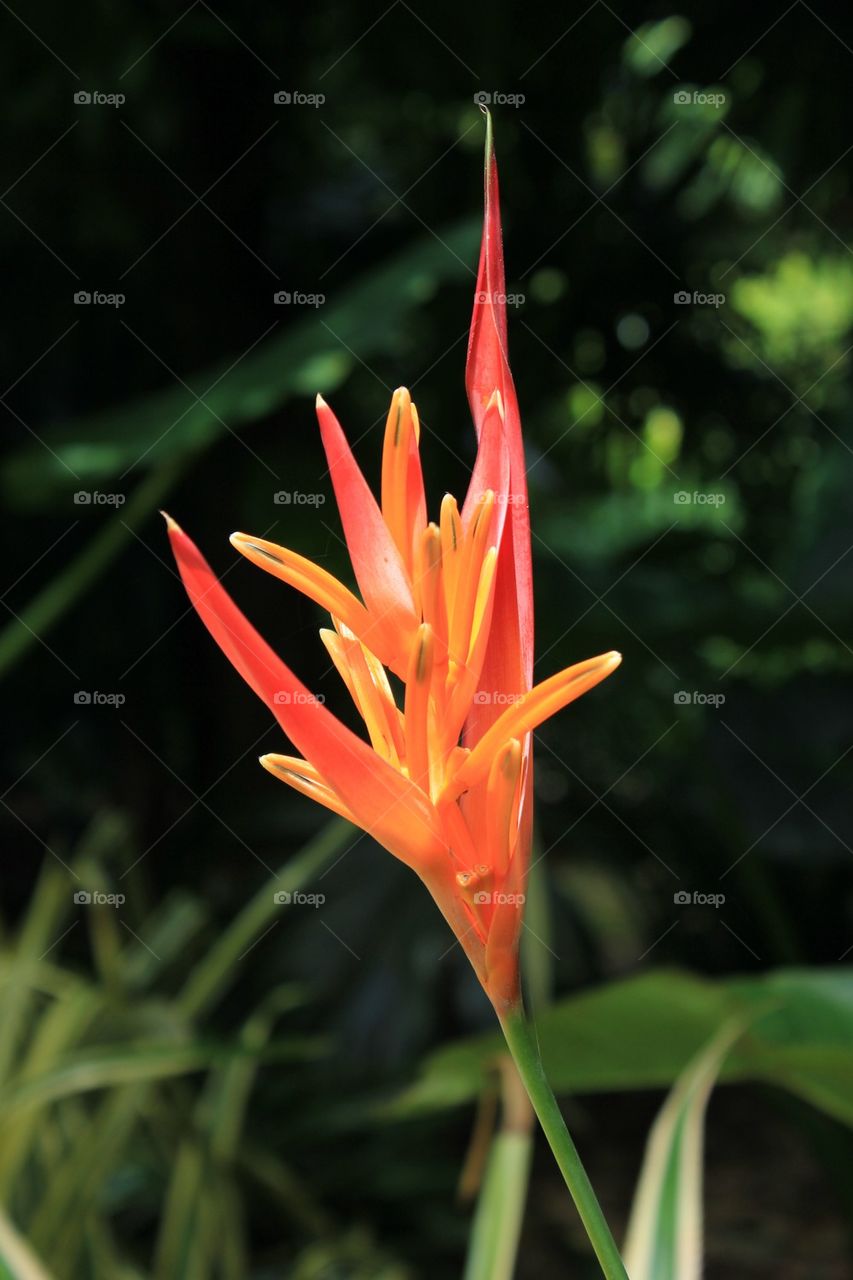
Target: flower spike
443	779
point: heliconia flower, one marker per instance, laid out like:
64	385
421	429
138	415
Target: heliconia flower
445	782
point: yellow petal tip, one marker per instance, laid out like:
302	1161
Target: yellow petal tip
272	763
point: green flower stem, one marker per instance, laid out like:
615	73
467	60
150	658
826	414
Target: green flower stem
522	1045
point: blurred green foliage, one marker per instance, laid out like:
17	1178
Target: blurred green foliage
690	466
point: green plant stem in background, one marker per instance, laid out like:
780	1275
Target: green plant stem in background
73	579
496	1229
521	1042
220	966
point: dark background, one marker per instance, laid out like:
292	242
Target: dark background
198	199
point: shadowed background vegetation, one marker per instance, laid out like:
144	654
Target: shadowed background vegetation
202	1081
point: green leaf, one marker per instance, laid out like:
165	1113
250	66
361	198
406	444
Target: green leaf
648	49
642	1032
42	925
72	1191
497	1225
664	1238
190	1235
162	433
128	1063
316	353
496	1230
61	1026
17	1260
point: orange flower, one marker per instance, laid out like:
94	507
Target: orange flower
445	783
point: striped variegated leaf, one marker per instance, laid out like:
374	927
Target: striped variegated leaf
664	1239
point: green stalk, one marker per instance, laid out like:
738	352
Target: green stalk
522	1045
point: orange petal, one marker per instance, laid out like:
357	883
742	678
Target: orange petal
468	580
312	581
417	707
530	709
502	811
374	701
303	777
403	500
450	527
468	676
428	587
383	802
